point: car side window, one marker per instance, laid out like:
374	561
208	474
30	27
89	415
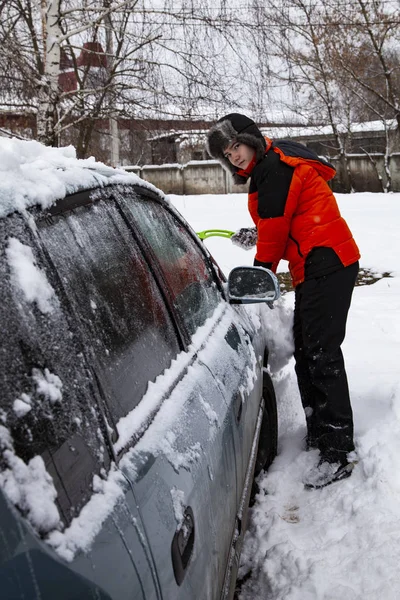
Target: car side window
191	281
49	403
125	322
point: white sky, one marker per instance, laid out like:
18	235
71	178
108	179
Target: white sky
341	542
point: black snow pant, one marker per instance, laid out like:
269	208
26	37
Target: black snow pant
320	314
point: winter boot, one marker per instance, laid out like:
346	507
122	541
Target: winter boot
325	473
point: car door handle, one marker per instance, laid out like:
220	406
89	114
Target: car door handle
182	545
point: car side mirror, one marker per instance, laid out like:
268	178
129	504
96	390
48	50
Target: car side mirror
248	285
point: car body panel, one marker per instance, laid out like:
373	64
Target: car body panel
178	474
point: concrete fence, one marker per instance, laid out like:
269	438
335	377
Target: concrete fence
208	177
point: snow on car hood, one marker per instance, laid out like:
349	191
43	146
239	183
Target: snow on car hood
34	174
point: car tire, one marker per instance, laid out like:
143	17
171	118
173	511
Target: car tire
268	442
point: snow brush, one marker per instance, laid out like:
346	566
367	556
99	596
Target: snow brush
225	233
245	238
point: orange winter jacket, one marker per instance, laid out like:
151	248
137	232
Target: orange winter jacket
294	209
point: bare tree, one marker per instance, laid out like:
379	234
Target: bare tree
367	58
340	60
82	63
369	40
301	36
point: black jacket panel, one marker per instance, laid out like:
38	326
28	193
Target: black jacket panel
271	179
290	148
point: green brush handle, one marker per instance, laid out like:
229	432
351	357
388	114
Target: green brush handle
203	235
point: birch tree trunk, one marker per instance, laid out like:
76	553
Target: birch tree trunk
113	123
48	95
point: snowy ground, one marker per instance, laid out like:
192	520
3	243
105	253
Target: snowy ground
342	542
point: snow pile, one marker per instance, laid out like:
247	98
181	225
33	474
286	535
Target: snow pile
28	486
84	528
33	174
22	405
341	541
277	324
48	385
178	502
210	413
168	446
28	277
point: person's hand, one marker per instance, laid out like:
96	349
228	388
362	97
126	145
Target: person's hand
245	238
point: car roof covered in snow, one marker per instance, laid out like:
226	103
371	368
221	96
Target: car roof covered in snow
32	174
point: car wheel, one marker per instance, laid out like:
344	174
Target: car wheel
268	442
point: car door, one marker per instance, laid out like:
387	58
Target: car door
215	335
135	354
238	367
240	377
117	313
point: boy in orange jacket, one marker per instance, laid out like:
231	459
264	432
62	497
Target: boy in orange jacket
297	219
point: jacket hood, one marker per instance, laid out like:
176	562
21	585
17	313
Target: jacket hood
239	128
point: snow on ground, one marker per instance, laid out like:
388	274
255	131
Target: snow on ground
341	542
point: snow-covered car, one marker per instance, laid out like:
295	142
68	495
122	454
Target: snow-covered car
135	403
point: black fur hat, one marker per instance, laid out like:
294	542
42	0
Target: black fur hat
239	128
